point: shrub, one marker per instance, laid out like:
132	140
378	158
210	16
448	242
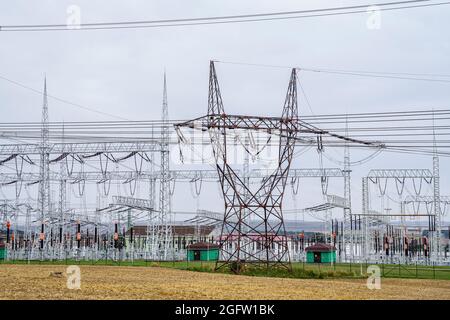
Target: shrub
199	269
237	267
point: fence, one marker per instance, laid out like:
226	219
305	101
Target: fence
410	270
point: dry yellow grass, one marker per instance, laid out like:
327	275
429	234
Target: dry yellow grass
101	282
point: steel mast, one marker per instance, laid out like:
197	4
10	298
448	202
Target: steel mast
165	229
44	168
436	200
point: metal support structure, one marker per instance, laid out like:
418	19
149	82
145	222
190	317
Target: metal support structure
44	168
151	240
252	226
81	148
165	228
380	221
436	246
265	244
62	202
152	175
365	210
237	245
347	237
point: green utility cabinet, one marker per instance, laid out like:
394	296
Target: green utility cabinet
202	251
2	251
320	253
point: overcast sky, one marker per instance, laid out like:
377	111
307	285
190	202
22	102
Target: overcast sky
120	71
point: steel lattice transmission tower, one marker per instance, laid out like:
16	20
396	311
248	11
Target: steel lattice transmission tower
164	228
44	166
264	241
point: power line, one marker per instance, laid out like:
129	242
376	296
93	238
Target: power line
410	116
61	100
242	63
286	15
385	76
370	74
330	70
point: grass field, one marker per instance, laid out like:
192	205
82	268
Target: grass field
119	282
387	270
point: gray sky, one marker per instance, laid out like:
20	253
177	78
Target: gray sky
120	71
